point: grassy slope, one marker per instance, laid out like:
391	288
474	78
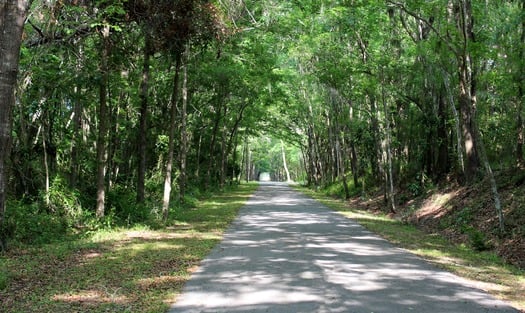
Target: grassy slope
125	270
489	271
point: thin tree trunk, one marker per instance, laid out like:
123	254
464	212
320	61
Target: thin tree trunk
493	186
183	131
224	158
211	161
353	163
392	206
243	160
102	126
457	126
171	142
248	162
46	166
76	141
198	163
285	165
521	93
143	130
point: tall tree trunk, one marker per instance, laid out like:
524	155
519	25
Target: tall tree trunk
183	128
76	141
521	92
143	130
388	149
102	125
467	89
171	142
12	17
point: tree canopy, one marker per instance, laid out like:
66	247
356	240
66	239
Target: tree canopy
114	98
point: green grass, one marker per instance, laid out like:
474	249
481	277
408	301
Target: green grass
121	270
503	281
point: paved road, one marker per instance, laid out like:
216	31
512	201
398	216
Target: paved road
288	253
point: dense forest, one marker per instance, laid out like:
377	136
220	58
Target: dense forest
119	111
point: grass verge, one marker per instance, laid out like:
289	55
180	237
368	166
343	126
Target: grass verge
488	270
122	270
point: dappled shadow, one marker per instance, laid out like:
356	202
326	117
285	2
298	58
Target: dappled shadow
287	253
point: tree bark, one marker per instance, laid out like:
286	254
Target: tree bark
388	149
171	143
467	90
103	125
143	128
12	18
183	128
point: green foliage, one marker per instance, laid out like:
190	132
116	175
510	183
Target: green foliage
124	208
4	280
33	224
335	189
414	189
477	238
65	202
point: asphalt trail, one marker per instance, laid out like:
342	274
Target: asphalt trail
288	253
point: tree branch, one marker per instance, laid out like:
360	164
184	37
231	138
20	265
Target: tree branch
401	6
80	32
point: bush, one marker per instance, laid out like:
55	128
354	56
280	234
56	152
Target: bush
65	202
478	240
32	223
123	207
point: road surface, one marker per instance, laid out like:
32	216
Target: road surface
288	253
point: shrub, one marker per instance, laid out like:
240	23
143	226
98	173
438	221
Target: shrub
32	223
123	207
65	202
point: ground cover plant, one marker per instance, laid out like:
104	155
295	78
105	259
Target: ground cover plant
487	269
135	269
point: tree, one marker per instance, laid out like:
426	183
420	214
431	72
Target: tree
13	14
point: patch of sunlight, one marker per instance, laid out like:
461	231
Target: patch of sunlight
368	217
148	246
93	296
154	235
160	282
213	204
442	198
109	235
439	257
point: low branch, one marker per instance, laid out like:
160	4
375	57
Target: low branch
80	32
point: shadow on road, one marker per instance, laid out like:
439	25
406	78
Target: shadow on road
288	253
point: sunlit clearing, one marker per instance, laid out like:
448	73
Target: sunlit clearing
93	297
